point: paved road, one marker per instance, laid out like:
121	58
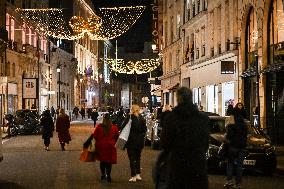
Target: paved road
27	165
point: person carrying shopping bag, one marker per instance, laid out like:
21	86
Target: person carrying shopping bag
135	142
106	135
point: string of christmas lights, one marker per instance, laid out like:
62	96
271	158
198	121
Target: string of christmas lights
47	22
111	23
131	67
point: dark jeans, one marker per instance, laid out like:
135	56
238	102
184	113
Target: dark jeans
237	164
46	141
105	168
134	156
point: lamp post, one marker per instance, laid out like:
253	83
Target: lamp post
59	82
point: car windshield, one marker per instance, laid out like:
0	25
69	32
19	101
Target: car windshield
218	126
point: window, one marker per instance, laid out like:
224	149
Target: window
203	50
198	6
172	30
8	69
219	49
212	51
197	53
13	70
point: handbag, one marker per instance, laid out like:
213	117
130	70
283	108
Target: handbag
123	137
87	156
92	145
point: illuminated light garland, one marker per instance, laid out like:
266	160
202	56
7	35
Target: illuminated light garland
112	22
139	67
46	21
79	25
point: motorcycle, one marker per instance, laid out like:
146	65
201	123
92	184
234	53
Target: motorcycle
23	125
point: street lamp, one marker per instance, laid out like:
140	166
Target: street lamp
59	82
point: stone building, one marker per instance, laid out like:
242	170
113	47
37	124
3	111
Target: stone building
232	51
26	53
262	63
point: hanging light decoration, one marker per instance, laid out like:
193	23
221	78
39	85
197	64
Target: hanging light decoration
46	21
111	22
131	67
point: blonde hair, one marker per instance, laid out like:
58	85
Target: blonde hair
62	111
135	110
167	107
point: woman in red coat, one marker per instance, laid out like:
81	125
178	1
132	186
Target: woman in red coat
106	135
62	128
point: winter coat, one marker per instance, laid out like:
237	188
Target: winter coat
236	132
105	144
162	118
137	132
47	126
185	136
62	127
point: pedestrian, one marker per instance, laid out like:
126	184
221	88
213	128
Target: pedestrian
106	135
120	117
240	110
62	128
47	128
52	111
236	138
135	142
82	112
230	110
94	116
76	112
89	112
185	138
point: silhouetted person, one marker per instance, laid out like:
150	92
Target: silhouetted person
185	137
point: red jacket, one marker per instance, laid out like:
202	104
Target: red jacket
62	127
105	144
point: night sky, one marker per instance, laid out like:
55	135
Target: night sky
133	40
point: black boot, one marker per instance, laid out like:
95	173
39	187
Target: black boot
62	146
108	178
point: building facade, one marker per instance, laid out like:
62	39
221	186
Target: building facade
261	63
232	51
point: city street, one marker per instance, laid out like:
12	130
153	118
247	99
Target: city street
27	165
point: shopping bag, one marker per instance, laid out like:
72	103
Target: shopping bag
87	156
92	145
123	137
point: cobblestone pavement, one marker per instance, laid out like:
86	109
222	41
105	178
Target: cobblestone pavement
27	165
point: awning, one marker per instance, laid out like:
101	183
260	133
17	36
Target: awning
170	87
250	72
276	67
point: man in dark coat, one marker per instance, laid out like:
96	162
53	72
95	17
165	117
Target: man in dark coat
185	138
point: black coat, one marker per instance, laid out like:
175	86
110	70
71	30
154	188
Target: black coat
137	132
48	127
185	135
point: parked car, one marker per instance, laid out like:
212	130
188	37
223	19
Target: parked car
260	153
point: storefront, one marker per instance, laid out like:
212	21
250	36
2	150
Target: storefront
250	74
274	72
